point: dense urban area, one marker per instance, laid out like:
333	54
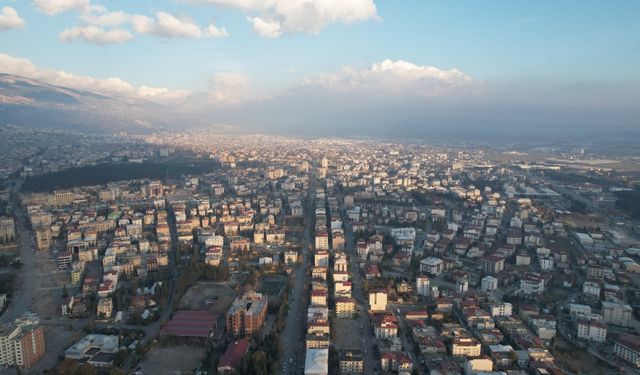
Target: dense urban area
204	253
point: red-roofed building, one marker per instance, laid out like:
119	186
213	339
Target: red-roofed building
191	324
372	271
385	326
395	361
232	356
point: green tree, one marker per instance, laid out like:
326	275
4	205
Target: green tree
86	369
259	363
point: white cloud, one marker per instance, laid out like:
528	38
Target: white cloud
272	18
170	26
98	15
95	34
161	94
212	31
391	77
265	28
229	88
52	7
9	19
109	86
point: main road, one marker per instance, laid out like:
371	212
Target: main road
292	337
27	278
371	364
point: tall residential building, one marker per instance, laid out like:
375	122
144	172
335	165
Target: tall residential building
63	198
489	283
155	189
21	342
7	230
422	286
531	284
324	162
591	329
43	237
466	346
351	361
322	240
492	264
378	301
616	313
500	309
321	258
247	313
627	348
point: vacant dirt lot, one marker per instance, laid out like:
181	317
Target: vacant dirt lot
347	334
215	297
172	360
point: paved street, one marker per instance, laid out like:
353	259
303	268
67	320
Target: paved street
27	279
371	363
293	334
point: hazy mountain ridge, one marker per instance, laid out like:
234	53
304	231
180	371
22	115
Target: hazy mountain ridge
29	102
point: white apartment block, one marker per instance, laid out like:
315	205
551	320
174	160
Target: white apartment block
531	284
489	283
591	289
422	286
592	330
627	348
616	313
501	309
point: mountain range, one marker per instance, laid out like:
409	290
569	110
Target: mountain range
33	103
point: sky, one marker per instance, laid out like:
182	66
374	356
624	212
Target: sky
364	64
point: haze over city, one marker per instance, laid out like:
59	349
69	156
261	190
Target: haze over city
319	187
360	67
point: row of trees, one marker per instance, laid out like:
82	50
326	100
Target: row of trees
104	173
629	201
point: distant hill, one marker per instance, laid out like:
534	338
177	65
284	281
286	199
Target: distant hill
33	103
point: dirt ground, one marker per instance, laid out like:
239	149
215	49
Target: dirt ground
579	361
215	297
172	360
347	334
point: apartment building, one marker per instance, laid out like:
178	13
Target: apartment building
345	307
591	329
500	309
247	313
7	230
492	264
466	346
422	286
21	342
531	284
616	313
377	301
43	237
627	348
351	361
